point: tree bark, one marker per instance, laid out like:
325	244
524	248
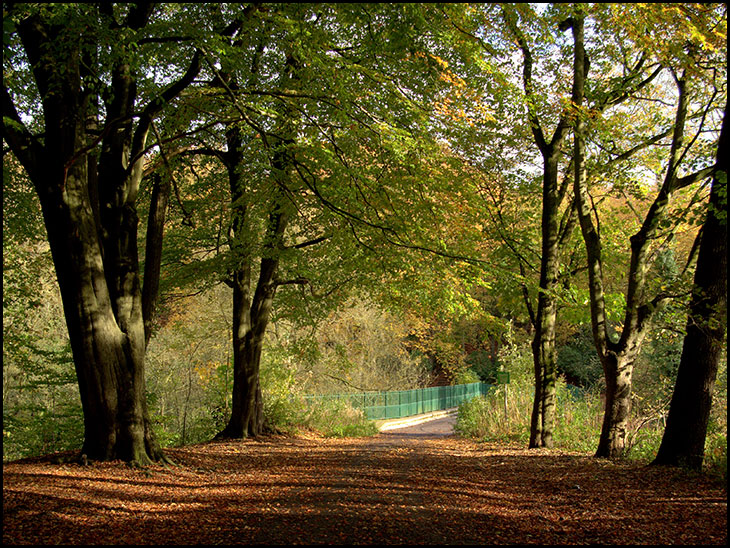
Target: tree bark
683	442
91	222
618	357
543	344
553	195
618	371
251	313
251	318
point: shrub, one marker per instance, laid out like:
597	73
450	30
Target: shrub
716	456
578	418
578	360
40	430
492	418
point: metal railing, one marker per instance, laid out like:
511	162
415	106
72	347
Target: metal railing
404	403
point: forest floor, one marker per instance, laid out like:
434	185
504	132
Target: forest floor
400	487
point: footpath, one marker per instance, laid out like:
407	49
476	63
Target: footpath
392	424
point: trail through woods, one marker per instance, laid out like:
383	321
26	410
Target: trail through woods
407	486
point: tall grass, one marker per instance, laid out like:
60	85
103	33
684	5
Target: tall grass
504	415
578	420
332	418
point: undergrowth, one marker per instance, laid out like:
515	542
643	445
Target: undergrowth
497	418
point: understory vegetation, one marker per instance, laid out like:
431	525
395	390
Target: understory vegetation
190	379
504	413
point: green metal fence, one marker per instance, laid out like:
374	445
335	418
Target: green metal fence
404	403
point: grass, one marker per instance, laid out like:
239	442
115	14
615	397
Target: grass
330	418
577	425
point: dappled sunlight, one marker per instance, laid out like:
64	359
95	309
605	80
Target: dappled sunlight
383	489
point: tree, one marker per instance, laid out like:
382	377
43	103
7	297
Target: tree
642	300
331	168
84	151
683	443
555	227
252	310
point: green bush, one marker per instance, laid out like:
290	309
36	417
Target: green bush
481	363
337	418
473	418
489	418
643	444
716	456
40	430
578	418
578	359
329	417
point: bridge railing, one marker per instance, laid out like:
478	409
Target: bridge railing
404	403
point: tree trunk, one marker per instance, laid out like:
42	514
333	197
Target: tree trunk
683	443
553	194
617	359
251	314
618	369
91	220
543	345
153	249
108	354
248	336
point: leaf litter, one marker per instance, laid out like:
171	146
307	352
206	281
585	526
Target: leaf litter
388	489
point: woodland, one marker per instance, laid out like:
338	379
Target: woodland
214	211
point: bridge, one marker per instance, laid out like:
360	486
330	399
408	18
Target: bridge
388	406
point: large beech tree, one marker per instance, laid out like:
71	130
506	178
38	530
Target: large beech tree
83	147
327	151
253	300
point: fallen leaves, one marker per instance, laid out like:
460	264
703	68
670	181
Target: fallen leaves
391	489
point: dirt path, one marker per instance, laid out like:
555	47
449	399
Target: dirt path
406	486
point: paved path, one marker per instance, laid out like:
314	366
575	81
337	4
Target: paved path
438	423
435	427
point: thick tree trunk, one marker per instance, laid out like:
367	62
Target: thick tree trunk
91	220
683	443
251	314
618	369
249	327
109	359
246	418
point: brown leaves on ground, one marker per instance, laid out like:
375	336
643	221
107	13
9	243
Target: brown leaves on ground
391	489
